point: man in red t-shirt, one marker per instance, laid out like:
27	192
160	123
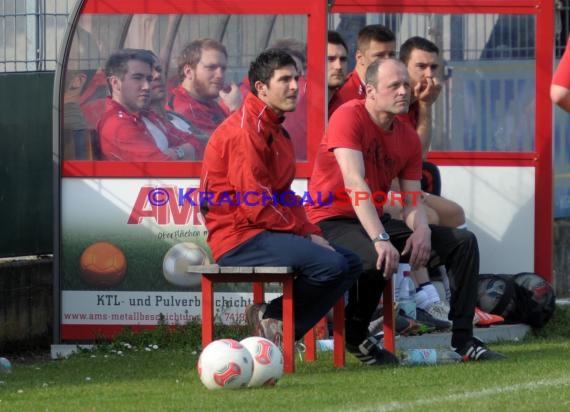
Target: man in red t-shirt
364	148
128	129
253	217
560	87
374	42
202	97
337	62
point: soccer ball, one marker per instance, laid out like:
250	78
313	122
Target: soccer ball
225	364
267	361
102	264
178	258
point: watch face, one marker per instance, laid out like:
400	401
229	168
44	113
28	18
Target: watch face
384	236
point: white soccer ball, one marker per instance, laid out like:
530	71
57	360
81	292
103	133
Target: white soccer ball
267	361
177	260
225	364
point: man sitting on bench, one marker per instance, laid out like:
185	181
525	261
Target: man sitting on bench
253	217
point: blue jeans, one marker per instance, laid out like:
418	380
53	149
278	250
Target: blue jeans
323	275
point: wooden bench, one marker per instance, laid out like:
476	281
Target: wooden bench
258	276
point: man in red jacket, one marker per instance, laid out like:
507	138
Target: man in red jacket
252	216
128	130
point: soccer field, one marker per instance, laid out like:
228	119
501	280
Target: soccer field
163	377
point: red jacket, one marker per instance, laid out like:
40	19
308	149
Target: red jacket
124	136
203	116
353	88
249	153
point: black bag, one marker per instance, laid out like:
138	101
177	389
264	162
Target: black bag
521	298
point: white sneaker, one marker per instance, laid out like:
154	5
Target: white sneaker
439	310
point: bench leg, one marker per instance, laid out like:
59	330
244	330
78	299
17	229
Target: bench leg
338	333
388	302
207	311
310	340
288	327
258	292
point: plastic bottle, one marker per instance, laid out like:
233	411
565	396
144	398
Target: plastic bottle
5	365
429	357
325	345
407	296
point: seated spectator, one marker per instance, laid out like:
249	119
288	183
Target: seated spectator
560	87
182	129
77	135
250	153
374	42
128	130
202	68
337	62
364	148
295	122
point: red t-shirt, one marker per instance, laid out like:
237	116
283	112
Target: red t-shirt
202	116
386	155
562	73
250	154
353	88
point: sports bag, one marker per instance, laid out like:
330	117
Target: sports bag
521	298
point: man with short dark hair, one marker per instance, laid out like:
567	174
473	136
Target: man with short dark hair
337	62
253	218
374	42
128	130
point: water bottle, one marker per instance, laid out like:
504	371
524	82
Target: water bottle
325	345
407	296
5	365
429	357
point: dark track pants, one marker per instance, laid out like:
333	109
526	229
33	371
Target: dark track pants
457	249
323	275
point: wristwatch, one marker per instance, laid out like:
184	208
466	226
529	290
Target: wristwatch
382	237
179	152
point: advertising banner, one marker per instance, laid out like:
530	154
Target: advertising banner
126	244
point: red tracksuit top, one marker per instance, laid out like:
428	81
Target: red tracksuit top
124	136
250	152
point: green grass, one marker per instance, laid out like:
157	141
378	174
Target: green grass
536	376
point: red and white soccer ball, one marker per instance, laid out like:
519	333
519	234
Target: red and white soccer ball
267	361
225	364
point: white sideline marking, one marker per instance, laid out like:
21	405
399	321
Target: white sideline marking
528	386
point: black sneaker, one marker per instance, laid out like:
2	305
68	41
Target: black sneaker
438	324
370	353
475	349
407	326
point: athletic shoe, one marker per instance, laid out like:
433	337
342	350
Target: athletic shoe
425	317
475	349
486	319
439	310
253	315
370	353
407	326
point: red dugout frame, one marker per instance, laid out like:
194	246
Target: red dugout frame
316	13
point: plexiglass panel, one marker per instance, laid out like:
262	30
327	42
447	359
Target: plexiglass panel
193	101
487	102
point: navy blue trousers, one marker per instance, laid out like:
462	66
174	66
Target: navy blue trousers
323	275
